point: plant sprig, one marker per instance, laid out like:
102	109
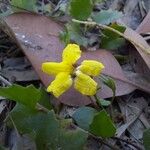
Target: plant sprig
101	26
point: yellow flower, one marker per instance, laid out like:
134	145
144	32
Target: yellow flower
65	71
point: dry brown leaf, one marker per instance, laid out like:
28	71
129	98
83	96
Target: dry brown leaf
139	59
144	27
136	120
38	38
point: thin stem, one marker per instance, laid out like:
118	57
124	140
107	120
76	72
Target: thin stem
5	81
94	103
41	108
92	23
97	101
99	139
103	78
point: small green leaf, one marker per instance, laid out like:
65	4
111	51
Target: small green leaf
65	36
111	40
108	81
81	9
146	139
98	1
106	16
73	33
47	131
25	95
84	116
104	102
24	4
102	125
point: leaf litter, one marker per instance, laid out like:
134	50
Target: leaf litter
37	37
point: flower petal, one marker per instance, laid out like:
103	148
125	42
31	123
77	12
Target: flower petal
91	67
71	53
53	68
85	84
61	84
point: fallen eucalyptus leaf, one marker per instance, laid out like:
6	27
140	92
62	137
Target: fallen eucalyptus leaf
42	44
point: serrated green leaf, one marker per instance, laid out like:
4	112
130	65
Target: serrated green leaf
102	125
111	40
106	16
25	95
24	4
84	116
47	131
146	139
81	9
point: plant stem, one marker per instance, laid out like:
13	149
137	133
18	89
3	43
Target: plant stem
5	81
98	102
94	103
92	23
41	108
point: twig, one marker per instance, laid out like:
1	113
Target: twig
147	38
104	142
128	142
92	23
5	81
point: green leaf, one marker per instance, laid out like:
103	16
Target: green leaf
106	16
81	9
84	116
146	139
108	81
24	4
98	1
45	99
48	132
65	36
111	40
3	148
73	33
104	102
102	125
25	95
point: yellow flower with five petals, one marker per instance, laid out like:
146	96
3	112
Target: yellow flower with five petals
65	71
